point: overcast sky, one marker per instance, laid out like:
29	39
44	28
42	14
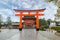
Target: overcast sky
7	6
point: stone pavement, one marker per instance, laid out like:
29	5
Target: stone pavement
27	34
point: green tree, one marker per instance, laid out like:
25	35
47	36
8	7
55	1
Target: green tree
43	22
9	22
49	20
0	20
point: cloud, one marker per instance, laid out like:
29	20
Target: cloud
50	11
15	19
3	16
25	5
7	7
7	11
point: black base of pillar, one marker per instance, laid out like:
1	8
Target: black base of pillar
37	29
20	29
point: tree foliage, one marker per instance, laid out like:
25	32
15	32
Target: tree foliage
9	22
42	22
0	20
49	20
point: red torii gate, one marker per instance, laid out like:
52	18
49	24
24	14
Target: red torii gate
37	14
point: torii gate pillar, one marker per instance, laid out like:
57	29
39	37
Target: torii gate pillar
29	11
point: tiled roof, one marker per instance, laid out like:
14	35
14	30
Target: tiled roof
29	17
15	23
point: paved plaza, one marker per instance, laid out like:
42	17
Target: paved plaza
27	34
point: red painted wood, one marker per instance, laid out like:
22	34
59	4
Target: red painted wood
29	22
37	14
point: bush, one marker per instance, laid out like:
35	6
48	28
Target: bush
57	28
42	28
53	28
44	23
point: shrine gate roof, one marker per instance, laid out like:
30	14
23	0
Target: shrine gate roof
29	17
29	10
